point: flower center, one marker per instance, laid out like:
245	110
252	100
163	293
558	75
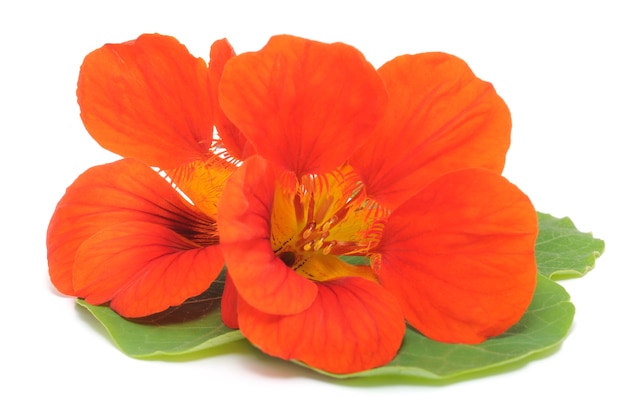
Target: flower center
313	237
328	215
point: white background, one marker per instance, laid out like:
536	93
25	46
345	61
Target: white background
558	64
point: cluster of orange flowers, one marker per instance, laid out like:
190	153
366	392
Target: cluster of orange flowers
281	164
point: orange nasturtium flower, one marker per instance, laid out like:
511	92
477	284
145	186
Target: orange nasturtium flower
121	233
400	166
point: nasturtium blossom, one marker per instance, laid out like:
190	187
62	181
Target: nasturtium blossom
124	233
345	202
400	166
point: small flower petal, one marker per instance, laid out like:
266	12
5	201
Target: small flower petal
304	105
261	278
147	99
229	304
353	325
440	118
460	256
232	138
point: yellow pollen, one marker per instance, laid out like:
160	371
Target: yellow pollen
330	223
309	230
307	246
318	244
328	248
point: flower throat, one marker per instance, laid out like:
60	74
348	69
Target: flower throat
327	215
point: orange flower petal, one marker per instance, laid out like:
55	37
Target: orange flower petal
232	138
147	99
229	304
459	255
305	105
143	268
353	325
110	195
260	277
440	118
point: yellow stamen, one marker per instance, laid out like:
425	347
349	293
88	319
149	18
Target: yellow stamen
327	249
308	231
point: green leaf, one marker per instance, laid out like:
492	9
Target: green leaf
142	341
543	327
194	326
562	251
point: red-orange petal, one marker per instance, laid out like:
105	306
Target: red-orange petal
440	118
232	138
143	268
304	105
459	256
147	99
244	212
123	192
353	325
228	304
